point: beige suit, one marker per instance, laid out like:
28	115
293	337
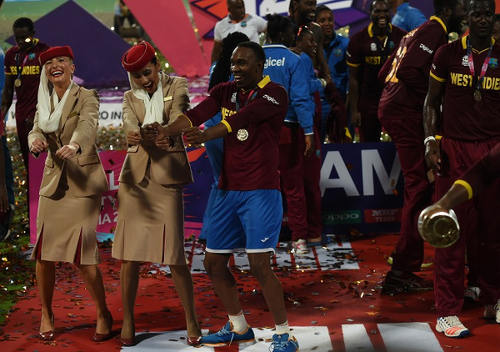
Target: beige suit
70	191
166	167
151	214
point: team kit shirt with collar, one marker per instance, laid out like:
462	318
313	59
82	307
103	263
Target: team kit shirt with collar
368	53
407	71
470	130
251	152
29	67
400	112
251	25
287	69
463	118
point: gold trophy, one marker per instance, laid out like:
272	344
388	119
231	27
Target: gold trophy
440	228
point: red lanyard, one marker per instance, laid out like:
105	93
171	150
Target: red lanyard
20	68
484	68
251	96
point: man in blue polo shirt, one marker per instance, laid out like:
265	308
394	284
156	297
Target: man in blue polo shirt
405	16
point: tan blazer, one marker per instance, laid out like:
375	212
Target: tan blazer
170	167
82	175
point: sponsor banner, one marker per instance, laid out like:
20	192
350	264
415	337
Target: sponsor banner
110	114
361	187
342	217
382	215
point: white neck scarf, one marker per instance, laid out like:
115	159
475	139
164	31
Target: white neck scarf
47	121
153	105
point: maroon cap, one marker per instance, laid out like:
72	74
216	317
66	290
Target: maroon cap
56	51
138	56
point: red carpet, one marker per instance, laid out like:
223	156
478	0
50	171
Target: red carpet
344	304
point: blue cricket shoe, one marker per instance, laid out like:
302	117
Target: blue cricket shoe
284	343
226	336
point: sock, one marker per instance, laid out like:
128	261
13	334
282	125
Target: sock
282	328
239	322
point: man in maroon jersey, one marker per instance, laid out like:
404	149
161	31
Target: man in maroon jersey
400	112
22	74
465	78
366	53
253	109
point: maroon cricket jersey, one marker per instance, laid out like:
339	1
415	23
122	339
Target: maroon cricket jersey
253	119
368	52
484	171
463	118
408	77
29	65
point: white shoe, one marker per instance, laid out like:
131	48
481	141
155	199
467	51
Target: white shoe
300	247
492	312
451	326
472	293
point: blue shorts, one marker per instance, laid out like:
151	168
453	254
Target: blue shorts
244	219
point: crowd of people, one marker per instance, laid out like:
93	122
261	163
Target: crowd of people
268	111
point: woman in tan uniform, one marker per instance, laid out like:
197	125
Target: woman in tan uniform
150	224
73	180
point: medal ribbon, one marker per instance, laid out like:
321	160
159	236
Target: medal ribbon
20	68
484	68
251	96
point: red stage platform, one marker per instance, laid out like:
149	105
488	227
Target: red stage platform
333	299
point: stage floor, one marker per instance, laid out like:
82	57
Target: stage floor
333	300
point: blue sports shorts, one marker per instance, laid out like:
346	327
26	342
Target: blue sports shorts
244	219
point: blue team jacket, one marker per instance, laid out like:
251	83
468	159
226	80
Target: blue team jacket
408	17
335	57
286	68
314	82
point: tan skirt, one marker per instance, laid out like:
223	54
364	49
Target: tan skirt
64	222
150	224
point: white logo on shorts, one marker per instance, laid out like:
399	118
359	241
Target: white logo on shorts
264	240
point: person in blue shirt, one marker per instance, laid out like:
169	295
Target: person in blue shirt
405	16
220	71
335	47
297	136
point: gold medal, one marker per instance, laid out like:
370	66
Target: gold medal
477	95
17	82
242	135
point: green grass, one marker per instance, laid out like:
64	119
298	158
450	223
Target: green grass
16	271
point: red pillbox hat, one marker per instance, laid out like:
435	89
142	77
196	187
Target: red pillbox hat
138	56
56	51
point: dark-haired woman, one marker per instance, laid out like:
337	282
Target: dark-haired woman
150	226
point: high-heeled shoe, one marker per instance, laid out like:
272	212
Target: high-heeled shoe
193	341
103	337
127	342
48	335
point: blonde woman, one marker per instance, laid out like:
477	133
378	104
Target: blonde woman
65	126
